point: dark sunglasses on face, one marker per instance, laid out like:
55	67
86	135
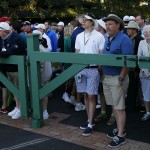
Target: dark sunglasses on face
108	45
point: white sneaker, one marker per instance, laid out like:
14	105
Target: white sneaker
65	97
98	106
13	112
17	115
79	107
146	117
45	115
72	100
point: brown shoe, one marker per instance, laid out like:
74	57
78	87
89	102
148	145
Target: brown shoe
100	117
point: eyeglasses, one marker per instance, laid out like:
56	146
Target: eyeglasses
84	20
146	32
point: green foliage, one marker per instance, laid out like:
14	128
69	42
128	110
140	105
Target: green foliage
71	8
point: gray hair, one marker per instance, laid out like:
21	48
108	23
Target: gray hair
146	27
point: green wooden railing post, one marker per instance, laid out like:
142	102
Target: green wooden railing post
23	87
34	81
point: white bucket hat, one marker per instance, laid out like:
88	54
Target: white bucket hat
132	25
90	17
102	23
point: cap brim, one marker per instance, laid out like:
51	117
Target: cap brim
94	20
101	24
114	18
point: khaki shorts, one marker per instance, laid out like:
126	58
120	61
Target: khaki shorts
114	92
13	76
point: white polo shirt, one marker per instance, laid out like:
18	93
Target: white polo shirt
48	42
90	43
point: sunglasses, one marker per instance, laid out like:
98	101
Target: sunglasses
108	45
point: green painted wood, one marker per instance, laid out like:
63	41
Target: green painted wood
11	60
9	85
35	85
63	77
76	58
34	81
144	62
21	91
79	62
37	123
23	88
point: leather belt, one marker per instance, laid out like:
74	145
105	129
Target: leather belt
91	67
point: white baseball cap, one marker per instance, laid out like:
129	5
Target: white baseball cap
40	26
60	24
101	23
126	18
4	26
132	18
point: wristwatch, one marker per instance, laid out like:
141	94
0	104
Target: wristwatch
121	79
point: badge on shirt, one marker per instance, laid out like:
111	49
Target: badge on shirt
3	49
15	46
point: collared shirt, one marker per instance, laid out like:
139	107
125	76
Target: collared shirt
121	44
53	39
90	43
74	35
48	42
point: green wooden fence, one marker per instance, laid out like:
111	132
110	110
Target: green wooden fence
34	89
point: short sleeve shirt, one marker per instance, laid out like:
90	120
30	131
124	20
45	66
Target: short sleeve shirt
121	44
90	43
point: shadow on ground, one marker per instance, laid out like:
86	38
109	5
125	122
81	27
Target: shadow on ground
135	128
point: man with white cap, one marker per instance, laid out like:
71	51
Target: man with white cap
116	79
5	91
26	27
46	70
126	21
134	82
60	45
11	43
41	27
87	81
